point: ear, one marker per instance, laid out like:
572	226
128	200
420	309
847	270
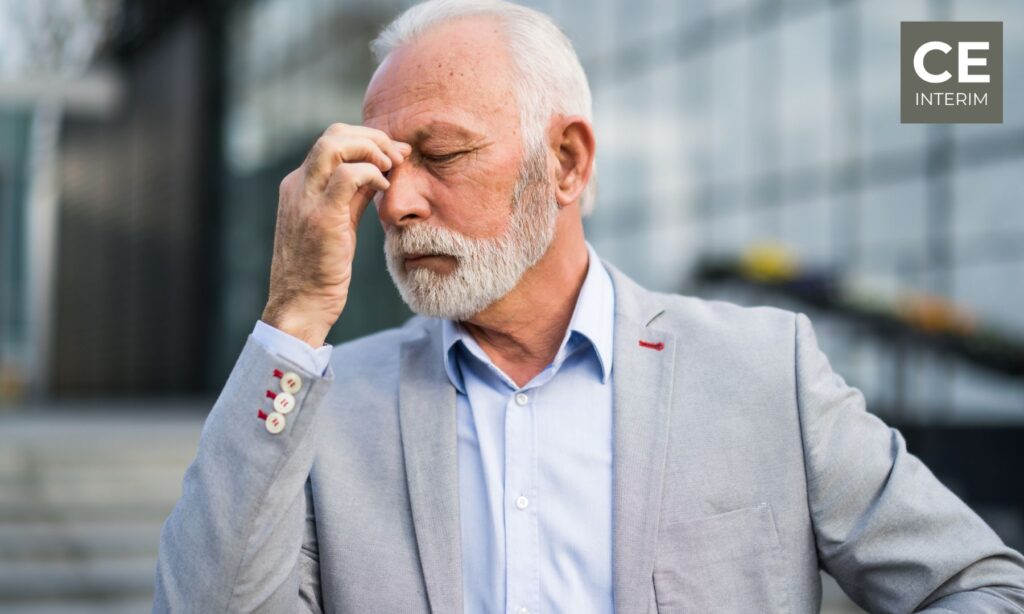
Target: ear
572	142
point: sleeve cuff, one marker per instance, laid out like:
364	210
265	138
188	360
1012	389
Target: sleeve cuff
296	350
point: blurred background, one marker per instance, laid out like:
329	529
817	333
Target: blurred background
749	150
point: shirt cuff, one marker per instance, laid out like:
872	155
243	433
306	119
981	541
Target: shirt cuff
292	348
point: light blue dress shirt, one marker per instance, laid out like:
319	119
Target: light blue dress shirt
535	463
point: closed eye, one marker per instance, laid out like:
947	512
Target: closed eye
443	158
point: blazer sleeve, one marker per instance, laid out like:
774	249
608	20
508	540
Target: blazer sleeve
242	537
886	529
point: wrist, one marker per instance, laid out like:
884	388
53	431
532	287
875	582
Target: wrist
312	333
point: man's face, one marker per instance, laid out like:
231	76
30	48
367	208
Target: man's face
469	211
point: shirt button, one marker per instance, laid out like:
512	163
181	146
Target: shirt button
521	398
275	423
522	502
522	611
291	382
284	403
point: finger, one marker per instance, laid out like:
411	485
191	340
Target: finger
330	151
348	178
386	143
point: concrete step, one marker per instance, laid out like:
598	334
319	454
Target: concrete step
93	511
41	542
105	450
22	582
83	495
67	490
129	605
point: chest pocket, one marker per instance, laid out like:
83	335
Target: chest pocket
728	562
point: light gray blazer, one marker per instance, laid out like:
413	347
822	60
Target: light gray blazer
742	465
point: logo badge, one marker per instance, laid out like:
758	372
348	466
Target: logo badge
951	72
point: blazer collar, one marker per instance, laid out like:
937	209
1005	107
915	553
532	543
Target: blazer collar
633	300
642	383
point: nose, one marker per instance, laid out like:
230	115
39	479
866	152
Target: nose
404	202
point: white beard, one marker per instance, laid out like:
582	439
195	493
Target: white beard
485	269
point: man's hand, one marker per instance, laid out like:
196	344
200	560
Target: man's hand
318	213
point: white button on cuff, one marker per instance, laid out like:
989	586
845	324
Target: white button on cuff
275	423
522	502
521	398
291	382
522	611
284	402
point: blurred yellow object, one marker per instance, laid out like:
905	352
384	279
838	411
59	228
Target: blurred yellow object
12	382
768	262
934	314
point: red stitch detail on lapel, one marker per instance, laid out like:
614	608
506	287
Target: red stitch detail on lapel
261	415
271	394
654	346
278	373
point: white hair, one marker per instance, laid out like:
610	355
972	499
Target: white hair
548	75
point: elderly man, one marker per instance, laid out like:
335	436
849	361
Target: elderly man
546	435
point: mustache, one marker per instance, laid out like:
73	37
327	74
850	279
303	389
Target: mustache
421	239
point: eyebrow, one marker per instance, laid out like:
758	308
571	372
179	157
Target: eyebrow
442	128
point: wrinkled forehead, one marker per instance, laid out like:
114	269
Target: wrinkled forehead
460	70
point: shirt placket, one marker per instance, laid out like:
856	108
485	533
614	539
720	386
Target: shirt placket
522	545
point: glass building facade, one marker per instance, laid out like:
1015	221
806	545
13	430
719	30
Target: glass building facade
14	144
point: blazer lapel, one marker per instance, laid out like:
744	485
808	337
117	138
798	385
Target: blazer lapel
642	382
427	417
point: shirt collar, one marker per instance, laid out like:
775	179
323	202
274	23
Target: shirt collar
593	319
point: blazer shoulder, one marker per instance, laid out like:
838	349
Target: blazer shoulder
724	320
693	317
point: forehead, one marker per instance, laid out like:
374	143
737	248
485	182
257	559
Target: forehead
457	73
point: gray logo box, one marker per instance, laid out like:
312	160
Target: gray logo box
944	66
